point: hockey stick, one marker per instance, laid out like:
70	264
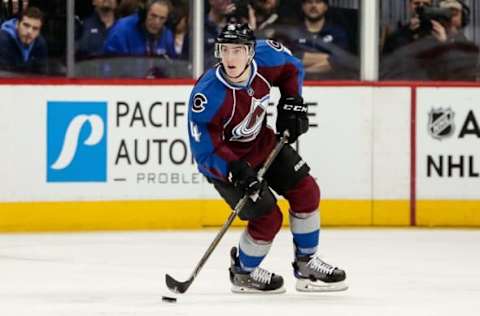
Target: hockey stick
181	287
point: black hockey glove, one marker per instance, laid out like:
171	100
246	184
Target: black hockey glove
244	177
292	116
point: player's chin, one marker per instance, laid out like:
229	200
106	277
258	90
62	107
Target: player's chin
233	74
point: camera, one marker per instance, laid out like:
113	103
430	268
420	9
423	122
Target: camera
426	14
241	11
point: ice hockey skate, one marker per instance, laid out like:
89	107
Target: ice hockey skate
259	281
315	275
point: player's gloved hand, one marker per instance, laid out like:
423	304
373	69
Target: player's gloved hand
292	116
244	177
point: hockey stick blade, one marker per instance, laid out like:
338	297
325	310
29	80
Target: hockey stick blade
176	286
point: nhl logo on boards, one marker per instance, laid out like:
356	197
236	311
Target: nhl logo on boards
440	123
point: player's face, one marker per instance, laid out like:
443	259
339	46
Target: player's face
28	29
156	18
234	58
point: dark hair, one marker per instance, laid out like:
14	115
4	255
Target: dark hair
466	12
326	1
144	11
127	7
33	13
240	13
180	11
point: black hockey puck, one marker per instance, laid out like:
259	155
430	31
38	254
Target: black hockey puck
169	299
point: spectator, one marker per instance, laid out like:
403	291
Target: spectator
319	42
241	11
409	32
18	6
460	15
95	29
219	13
266	17
438	51
215	20
55	33
129	7
11	8
22	47
143	33
179	21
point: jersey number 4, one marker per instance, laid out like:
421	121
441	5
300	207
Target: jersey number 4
195	132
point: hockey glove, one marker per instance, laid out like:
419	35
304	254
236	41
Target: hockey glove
244	177
292	116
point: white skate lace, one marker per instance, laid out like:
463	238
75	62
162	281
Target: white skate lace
320	266
261	275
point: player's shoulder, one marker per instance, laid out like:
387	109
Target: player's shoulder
207	94
270	53
208	83
206	79
271	47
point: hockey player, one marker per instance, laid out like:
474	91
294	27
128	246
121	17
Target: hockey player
230	140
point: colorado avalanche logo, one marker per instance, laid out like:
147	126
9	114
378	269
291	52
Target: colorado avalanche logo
278	47
275	45
440	123
251	125
199	101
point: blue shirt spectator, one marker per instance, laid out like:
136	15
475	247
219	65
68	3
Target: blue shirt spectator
143	33
22	48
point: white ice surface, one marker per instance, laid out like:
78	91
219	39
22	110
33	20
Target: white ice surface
390	272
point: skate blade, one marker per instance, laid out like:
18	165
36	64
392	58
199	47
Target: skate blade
306	285
247	290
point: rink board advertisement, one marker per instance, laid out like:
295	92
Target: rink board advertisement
92	143
448	155
93	150
117	157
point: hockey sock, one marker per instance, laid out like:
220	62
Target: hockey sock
305	228
251	252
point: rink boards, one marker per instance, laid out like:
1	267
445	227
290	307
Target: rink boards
115	156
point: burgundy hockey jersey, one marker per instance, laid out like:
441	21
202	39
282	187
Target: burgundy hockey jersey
227	122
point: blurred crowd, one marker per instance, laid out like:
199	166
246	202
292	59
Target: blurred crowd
151	38
432	44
